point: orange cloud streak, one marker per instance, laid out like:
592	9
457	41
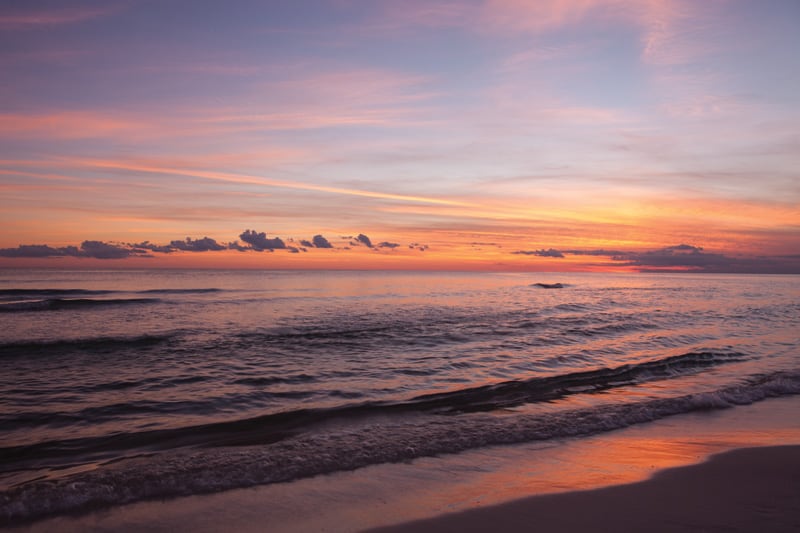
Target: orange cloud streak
245	179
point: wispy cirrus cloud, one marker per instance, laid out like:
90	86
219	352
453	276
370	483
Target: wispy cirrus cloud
665	25
303	100
138	127
496	16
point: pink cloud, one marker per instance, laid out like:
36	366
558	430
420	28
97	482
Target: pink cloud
673	31
305	98
669	28
36	19
704	106
522	15
353	86
193	124
300	120
397	15
499	15
67	125
52	56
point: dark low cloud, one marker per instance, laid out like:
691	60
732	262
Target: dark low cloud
320	242
541	253
679	255
145	246
682	257
251	240
34	250
363	239
681	248
596	252
104	250
109	250
93	249
206	244
30	250
716	264
260	241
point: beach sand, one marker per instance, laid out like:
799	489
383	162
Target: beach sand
635	479
755	489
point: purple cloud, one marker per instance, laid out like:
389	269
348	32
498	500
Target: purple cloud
541	253
200	245
94	249
320	242
363	239
259	241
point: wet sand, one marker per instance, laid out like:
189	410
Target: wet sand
755	489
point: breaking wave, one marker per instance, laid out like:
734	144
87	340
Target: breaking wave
216	468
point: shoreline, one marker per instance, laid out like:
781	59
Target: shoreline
396	494
747	489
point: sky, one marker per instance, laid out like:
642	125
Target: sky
540	135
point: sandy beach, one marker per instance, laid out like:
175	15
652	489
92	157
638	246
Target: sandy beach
754	489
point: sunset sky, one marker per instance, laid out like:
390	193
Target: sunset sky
495	135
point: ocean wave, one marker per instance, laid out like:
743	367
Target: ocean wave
276	426
205	470
42	293
179	291
611	328
273	380
55	304
91	345
513	393
445	328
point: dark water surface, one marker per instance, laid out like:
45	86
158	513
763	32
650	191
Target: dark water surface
119	386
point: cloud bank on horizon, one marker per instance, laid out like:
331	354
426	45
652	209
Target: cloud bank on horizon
682	257
499	133
253	241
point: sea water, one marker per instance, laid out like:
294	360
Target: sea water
119	386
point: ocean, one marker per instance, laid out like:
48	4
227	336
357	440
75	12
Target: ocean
118	386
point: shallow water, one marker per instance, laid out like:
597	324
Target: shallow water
118	386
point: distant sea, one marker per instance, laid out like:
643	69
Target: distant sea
119	386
